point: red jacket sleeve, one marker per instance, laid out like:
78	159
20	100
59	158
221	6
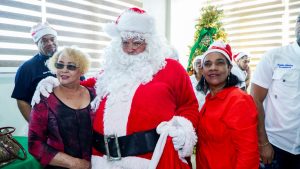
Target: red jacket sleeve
37	134
186	101
242	121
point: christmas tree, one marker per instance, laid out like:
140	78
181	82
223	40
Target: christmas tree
208	29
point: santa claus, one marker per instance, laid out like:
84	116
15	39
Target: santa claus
146	110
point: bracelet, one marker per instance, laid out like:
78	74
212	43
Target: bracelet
262	145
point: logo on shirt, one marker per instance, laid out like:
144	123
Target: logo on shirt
47	72
285	65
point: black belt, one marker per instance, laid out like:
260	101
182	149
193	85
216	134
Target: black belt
131	145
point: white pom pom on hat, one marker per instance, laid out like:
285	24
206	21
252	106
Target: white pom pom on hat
131	20
221	47
41	29
111	29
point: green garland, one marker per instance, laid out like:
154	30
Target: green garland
209	29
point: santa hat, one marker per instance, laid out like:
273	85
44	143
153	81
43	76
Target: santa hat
239	55
199	57
221	47
131	20
41	29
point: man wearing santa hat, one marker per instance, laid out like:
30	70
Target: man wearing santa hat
32	71
241	68
146	110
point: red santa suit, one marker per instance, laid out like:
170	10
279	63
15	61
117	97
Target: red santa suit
146	110
143	108
138	94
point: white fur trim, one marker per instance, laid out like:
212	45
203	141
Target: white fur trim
217	50
240	55
190	137
125	163
111	29
41	30
117	109
219	44
136	22
95	103
131	21
163	130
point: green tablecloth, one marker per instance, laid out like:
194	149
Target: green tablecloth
29	163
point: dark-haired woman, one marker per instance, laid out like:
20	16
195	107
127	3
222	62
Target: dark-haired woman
227	130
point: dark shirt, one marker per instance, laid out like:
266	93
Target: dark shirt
29	74
54	127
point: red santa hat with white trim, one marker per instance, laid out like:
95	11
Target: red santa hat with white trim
221	47
131	20
239	55
40	30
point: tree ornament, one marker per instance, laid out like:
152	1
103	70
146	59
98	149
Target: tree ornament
208	29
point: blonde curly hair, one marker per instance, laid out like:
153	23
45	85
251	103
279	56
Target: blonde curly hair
81	59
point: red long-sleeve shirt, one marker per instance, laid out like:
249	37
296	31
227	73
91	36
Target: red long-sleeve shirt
227	132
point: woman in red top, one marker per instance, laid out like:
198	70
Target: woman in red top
227	131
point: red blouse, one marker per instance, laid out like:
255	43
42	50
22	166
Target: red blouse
227	132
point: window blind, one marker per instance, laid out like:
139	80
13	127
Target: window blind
257	26
16	18
78	22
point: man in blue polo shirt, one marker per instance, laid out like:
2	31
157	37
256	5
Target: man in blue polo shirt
32	71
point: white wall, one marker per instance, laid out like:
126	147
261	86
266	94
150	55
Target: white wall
9	112
177	19
184	14
158	9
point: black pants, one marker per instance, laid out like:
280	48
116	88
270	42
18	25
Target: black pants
283	160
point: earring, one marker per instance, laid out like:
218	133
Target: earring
228	78
205	87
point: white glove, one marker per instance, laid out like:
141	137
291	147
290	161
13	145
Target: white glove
178	138
183	137
95	103
44	87
178	135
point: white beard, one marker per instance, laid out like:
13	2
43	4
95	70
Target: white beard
122	71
